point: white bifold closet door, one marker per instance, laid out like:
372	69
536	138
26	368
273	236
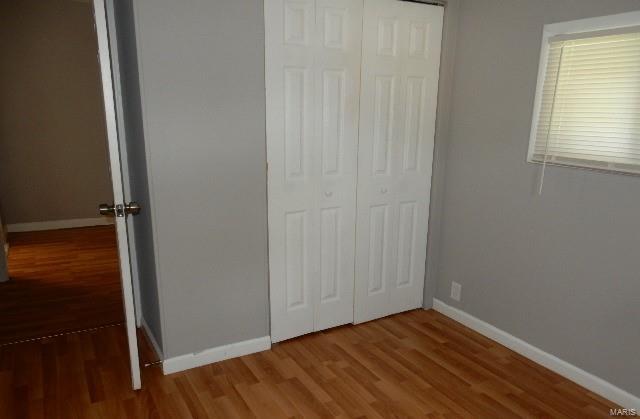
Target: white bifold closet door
334	140
312	65
400	65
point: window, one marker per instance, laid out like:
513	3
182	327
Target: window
587	109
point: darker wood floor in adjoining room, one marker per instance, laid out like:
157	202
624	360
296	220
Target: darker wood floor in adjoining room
61	280
414	364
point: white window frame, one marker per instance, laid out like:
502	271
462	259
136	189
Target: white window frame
602	23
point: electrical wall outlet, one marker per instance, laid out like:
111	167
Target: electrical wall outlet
456	291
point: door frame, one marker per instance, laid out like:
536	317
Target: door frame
116	171
124	159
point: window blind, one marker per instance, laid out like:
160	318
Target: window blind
589	114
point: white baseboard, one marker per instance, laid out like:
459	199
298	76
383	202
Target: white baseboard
220	353
152	338
565	369
59	224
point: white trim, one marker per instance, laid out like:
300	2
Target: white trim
137	26
152	338
59	224
220	353
601	23
555	364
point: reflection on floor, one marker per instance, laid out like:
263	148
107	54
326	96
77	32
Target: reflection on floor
61	280
414	364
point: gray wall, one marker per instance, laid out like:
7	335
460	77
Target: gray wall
441	143
53	150
202	83
562	270
134	142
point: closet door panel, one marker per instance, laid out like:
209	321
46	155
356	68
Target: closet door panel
400	64
312	54
422	38
339	25
290	131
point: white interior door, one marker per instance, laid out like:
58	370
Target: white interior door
118	191
400	64
312	76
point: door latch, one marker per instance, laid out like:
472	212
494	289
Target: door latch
120	210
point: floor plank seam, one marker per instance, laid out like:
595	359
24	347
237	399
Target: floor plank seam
71	332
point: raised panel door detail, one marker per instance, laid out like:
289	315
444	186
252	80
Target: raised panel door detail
413	123
387	37
399	81
330	250
294	111
312	81
419	40
378	226
296	278
383	122
335	30
406	243
333	98
296	23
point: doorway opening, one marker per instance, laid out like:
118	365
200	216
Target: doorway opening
54	171
65	268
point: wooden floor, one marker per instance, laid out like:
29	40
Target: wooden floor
415	364
61	280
